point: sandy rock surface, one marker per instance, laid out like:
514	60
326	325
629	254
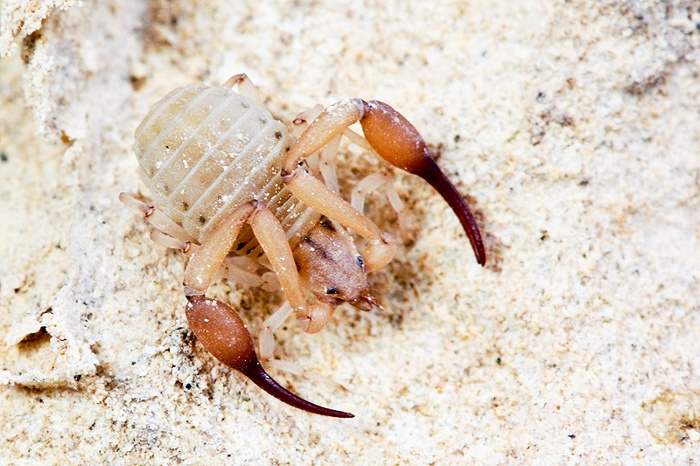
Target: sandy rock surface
572	128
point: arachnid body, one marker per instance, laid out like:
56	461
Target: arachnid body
232	190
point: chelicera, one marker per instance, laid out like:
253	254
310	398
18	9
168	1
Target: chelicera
233	191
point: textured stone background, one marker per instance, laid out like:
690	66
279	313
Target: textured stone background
572	127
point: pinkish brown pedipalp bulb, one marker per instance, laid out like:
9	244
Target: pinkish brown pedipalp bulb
398	142
222	332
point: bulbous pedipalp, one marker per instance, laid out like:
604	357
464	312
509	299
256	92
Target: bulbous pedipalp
398	142
224	334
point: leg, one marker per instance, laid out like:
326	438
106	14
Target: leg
373	182
246	271
245	87
272	323
267	348
187	247
234	271
156	218
369	184
324	164
220	330
311	114
395	140
303	118
327	165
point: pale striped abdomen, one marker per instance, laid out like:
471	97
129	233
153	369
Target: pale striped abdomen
203	151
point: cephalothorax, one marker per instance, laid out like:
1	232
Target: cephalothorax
232	190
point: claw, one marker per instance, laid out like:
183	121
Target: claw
395	140
437	179
223	333
262	379
398	142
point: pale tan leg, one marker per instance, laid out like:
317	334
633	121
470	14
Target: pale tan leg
156	218
245	88
266	281
246	271
244	263
357	139
303	118
266	346
373	182
327	165
187	247
301	122
272	323
231	271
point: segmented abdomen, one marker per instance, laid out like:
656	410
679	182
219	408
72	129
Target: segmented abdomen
203	151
